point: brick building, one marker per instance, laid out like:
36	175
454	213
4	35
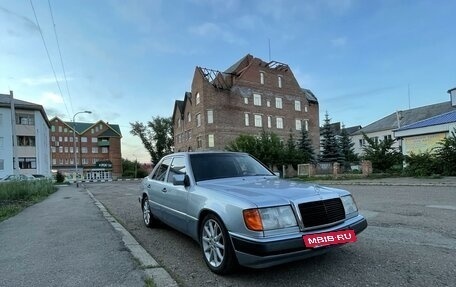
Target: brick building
248	97
98	149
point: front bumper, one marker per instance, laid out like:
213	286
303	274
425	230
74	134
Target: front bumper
262	254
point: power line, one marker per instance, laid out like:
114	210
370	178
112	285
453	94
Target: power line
49	57
61	59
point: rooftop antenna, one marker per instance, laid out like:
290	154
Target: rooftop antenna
269	48
408	93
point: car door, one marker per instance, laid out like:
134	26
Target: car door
175	196
155	184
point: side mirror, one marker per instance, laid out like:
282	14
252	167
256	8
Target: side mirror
277	173
181	179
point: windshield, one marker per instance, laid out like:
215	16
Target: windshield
223	165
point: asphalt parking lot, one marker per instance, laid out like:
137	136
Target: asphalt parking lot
410	241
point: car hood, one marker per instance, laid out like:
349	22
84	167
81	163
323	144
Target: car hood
268	191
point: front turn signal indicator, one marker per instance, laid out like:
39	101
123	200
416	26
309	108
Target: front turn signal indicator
252	219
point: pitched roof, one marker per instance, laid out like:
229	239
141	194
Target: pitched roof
236	65
5	101
445	118
407	117
80	127
309	95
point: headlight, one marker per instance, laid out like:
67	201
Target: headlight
261	219
349	204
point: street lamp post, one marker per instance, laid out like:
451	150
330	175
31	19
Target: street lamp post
74	141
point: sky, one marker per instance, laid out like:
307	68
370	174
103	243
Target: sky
129	60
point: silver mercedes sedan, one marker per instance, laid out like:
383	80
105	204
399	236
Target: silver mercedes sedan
242	213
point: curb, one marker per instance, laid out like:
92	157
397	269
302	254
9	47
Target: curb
151	268
386	184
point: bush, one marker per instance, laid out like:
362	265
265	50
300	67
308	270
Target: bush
423	164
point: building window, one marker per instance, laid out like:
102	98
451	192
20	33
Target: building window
262	78
298	125
256	99
53	138
278	103
179	123
71	161
92	131
210	116
104	150
60	160
53	149
246	119
54	161
189	117
60	149
27	162
25	119
305	109
60	129
94	160
84	149
52	128
210	140
269	121
94	140
268	103
95	149
65	139
65	130
297	105
246	100
198	98
66	149
279	123
306	125
83	139
199	142
96	129
279	81
85	161
198	120
71	139
67	161
258	121
25	140
71	149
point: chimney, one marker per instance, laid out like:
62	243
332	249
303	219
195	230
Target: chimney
452	93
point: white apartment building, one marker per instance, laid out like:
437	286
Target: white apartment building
27	125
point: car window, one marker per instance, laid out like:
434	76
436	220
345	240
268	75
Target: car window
177	167
225	165
160	173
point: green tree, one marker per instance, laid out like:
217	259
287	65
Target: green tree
446	154
305	147
382	154
292	155
267	147
346	148
157	136
330	149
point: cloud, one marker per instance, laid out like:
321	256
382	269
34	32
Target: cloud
51	98
213	31
42	80
339	42
52	112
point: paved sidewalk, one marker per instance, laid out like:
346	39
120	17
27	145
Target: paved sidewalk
449	181
65	241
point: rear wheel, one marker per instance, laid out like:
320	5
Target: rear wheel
216	246
148	217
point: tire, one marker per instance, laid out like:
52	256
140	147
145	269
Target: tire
216	246
148	218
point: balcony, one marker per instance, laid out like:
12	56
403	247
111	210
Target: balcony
103	143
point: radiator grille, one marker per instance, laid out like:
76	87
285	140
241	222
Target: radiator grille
321	212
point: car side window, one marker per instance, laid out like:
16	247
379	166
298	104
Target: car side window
160	173
177	167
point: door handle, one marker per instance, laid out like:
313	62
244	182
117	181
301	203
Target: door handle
164	190
148	186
